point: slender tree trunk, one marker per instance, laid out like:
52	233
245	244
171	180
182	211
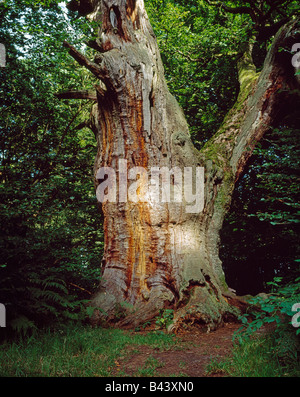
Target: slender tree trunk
159	255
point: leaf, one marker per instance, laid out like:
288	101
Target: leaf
259	324
269	319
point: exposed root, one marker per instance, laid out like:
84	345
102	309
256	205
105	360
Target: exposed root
124	315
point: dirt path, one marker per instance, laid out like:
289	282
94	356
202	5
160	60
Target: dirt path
197	350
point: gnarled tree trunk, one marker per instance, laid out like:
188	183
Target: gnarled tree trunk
159	254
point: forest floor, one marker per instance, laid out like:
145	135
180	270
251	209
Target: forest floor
196	350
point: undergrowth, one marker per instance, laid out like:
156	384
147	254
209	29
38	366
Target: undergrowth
268	342
75	352
256	357
266	345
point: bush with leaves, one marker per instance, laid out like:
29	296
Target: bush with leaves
275	311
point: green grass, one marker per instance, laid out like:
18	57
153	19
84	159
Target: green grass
81	352
84	351
256	357
150	367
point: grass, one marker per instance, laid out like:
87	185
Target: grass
150	367
256	357
84	351
76	352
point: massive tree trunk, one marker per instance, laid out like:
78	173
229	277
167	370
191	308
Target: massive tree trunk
165	254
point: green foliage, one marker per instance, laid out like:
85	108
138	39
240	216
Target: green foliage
280	169
275	310
199	46
275	307
255	357
165	318
51	241
266	345
216	366
260	236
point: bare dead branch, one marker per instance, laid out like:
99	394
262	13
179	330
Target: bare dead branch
81	288
83	94
95	44
84	61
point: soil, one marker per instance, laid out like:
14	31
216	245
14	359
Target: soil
190	358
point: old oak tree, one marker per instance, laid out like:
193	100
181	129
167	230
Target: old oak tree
158	255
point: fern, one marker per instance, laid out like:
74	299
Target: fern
40	299
50	282
22	325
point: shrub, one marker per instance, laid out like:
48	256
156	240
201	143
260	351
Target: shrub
275	311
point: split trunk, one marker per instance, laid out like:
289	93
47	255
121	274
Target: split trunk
165	254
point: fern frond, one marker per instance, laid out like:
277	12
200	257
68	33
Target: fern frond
22	324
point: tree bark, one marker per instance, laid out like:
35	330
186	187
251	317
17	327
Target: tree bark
159	255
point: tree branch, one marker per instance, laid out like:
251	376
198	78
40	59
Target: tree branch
266	32
84	94
241	10
189	57
236	10
95	44
83	289
100	89
84	7
84	61
82	125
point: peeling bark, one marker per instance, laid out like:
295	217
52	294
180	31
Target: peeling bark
159	255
